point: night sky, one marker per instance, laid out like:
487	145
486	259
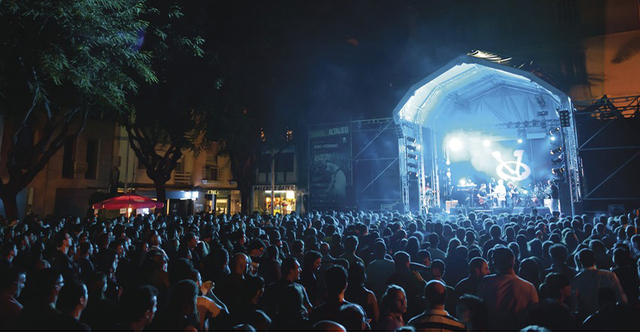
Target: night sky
328	61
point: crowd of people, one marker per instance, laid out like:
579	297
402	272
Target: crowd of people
330	271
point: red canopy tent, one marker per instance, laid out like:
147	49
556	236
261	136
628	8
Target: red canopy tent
128	201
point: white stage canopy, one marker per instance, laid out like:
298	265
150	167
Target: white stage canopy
478	91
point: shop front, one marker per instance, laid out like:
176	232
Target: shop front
222	201
285	198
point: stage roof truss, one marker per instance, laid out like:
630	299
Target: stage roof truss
481	91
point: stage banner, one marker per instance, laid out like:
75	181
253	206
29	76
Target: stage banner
330	165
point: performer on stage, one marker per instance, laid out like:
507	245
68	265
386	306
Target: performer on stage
501	193
513	194
483	196
554	193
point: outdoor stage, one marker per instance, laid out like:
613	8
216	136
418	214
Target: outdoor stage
484	119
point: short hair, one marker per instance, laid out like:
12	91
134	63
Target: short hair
435	293
70	294
587	258
137	301
476	263
503	259
438	264
288	264
558	252
554	283
59	238
309	258
401	259
379	249
335	279
350	243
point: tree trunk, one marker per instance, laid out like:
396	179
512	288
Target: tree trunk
245	195
161	194
10	205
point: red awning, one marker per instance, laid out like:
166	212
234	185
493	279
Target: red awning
128	201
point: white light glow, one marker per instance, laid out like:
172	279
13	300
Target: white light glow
486	143
455	144
463	181
519	140
553	138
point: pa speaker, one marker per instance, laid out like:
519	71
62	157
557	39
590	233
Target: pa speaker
498	210
521	209
459	210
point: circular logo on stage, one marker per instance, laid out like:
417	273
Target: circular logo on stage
513	170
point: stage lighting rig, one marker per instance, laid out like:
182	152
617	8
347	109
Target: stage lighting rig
565	118
558	160
558	171
556	150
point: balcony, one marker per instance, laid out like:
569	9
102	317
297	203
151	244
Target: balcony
181	177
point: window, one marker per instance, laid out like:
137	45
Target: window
92	159
284	162
210	173
68	159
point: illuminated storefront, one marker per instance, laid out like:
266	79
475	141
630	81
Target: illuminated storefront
224	201
285	198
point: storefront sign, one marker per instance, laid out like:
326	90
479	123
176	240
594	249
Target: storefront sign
279	187
219	192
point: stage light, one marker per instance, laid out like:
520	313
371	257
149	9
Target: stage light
554	131
449	174
455	144
486	143
557	160
412	156
463	181
556	150
411	147
559	171
411	139
553	138
519	140
565	118
448	162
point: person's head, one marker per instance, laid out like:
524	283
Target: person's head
329	326
73	296
63	240
256	248
472	312
240	264
183	299
311	261
495	231
290	269
437	269
557	285
12	281
394	300
478	268
335	280
47	285
350	244
379	249
435	294
558	253
9	250
424	257
352	317
401	260
586	258
140	304
503	260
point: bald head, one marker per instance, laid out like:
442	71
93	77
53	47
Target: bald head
435	293
329	326
239	264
